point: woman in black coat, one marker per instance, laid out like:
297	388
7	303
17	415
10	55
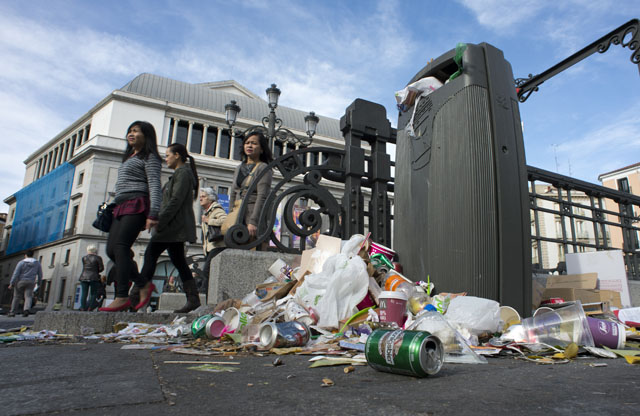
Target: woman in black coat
176	223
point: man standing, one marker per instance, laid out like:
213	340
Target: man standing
23	282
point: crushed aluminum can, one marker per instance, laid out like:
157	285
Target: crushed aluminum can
284	335
199	326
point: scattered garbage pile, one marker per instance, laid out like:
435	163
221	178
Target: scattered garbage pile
349	304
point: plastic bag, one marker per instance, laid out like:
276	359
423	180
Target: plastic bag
336	290
478	315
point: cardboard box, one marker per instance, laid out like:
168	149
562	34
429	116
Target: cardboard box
609	265
584	295
572	281
570	287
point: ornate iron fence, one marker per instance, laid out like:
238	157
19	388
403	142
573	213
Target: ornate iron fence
363	122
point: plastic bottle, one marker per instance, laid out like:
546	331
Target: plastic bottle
392	281
407	288
419	301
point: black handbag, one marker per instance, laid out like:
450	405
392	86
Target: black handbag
214	234
104	217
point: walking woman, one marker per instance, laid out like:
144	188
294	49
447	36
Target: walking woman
138	198
92	266
256	156
177	222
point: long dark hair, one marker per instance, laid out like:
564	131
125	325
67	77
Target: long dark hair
266	155
181	151
150	141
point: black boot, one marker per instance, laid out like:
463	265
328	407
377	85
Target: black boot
193	299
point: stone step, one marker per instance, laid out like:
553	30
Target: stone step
85	323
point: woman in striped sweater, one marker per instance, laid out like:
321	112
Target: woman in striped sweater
138	198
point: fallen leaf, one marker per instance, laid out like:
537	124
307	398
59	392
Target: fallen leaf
327	382
571	351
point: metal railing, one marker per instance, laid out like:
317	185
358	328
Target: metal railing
584	217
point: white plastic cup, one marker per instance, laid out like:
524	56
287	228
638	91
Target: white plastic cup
235	319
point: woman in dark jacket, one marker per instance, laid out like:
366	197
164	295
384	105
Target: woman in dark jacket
92	266
138	198
256	156
177	222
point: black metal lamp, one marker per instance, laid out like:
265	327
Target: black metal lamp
231	112
272	125
273	93
311	122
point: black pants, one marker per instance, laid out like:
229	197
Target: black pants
176	254
122	235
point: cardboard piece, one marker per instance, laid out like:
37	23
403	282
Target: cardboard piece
584	295
313	259
609	265
572	281
571	287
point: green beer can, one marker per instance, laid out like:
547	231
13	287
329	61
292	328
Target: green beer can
412	353
199	326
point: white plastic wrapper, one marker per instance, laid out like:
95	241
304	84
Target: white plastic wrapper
478	315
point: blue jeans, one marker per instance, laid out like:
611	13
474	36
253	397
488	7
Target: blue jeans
85	286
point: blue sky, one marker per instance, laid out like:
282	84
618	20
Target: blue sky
59	58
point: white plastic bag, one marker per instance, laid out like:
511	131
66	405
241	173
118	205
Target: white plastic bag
336	290
478	315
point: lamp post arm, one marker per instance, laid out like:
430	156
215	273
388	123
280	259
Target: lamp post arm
526	86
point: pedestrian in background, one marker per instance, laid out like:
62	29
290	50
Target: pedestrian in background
23	282
177	223
212	218
92	266
138	198
256	156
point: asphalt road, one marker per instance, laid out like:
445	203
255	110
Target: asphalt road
92	378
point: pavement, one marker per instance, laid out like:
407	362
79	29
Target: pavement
91	377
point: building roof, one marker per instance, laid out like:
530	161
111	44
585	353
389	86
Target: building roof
209	96
602	175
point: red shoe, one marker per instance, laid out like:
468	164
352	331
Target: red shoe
144	302
121	308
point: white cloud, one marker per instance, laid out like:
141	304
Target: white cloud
504	14
610	147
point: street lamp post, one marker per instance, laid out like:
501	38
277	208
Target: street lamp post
271	124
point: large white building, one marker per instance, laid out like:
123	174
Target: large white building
77	170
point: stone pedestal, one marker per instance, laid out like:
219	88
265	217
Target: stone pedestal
169	302
235	273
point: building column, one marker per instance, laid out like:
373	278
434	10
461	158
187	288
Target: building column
203	146
233	147
217	151
174	131
189	131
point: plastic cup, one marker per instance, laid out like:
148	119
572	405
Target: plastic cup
607	333
509	316
559	327
235	319
379	248
393	306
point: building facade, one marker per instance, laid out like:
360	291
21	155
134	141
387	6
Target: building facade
78	169
626	179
